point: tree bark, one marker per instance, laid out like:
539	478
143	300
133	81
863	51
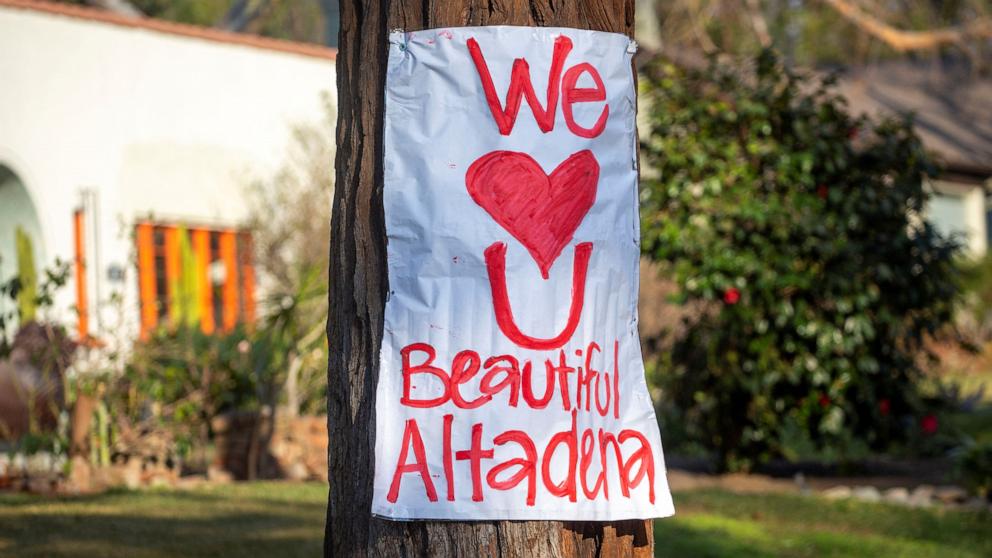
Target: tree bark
358	286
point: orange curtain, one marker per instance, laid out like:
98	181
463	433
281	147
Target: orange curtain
201	246
229	255
172	269
146	278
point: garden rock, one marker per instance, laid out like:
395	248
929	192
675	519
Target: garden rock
191	481
297	471
837	493
42	484
898	495
80	475
217	475
131	474
867	494
922	496
950	494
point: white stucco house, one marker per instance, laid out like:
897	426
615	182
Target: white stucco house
115	133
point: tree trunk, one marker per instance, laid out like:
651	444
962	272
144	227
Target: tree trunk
358	286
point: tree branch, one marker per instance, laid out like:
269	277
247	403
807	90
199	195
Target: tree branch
902	40
758	22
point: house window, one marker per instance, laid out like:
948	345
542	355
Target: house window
220	278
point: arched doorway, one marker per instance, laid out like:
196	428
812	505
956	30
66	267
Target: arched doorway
17	210
25	392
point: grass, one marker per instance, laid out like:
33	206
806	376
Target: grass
246	519
284	519
713	523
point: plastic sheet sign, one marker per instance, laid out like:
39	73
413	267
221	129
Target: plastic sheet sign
511	383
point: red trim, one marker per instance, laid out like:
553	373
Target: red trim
172	270
82	304
228	255
146	278
171	28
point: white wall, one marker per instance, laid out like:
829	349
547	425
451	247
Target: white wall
155	123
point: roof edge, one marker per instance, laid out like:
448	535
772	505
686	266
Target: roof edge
171	28
966	172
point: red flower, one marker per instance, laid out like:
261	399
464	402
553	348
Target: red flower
731	295
852	133
824	400
884	407
822	191
929	424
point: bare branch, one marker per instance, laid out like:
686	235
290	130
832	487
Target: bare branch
696	18
758	22
902	40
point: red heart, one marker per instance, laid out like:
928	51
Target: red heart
539	210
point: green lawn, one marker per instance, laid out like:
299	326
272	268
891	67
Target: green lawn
244	519
717	523
283	519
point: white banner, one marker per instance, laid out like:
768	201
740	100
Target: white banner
511	383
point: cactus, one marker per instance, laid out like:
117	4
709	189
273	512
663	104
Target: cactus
102	435
184	309
27	296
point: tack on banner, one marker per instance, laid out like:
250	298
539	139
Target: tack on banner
511	384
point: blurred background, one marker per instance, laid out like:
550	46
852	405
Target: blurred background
816	288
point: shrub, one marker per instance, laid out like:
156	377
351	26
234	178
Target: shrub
180	378
974	468
798	228
976	319
35	352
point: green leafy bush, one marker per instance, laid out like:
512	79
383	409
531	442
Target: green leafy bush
976	319
974	468
797	228
180	378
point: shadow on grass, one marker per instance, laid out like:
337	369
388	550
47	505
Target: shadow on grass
158	523
236	534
